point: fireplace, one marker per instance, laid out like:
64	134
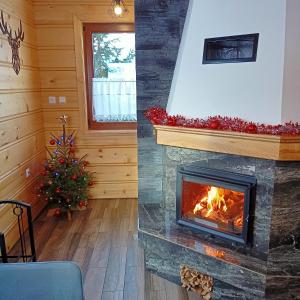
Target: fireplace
215	201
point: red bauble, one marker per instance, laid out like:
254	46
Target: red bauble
214	124
251	128
74	177
58	190
57	212
52	142
61	160
46	199
91	183
81	204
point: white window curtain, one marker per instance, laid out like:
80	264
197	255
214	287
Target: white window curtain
114	100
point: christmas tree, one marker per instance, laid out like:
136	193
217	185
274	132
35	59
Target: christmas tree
64	181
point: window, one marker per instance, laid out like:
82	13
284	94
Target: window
110	75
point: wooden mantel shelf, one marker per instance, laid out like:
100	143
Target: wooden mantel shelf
284	148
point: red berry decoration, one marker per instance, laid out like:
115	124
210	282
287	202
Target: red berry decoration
52	142
91	183
57	212
81	204
57	191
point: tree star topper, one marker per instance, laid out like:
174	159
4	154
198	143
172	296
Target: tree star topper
63	119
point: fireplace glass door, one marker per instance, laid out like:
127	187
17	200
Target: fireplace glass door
215	201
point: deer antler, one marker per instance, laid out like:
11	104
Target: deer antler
20	34
4	27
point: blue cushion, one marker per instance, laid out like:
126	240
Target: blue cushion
41	281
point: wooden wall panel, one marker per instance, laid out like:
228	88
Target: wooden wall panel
21	118
62	12
70	94
19	152
114	173
28	79
112	155
19	127
28	55
51	118
104	190
58	79
19	102
109	155
57	59
55	37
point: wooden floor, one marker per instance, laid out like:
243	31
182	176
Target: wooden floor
103	241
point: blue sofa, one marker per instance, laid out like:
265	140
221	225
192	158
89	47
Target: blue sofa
41	281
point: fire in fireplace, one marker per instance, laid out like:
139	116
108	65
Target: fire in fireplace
215	201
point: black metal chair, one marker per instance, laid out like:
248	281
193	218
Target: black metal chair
18	209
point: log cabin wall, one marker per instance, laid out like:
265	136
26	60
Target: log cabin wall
21	125
112	154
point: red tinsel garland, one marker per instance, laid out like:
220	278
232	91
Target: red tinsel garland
159	116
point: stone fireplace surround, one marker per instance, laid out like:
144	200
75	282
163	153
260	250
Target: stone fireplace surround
267	269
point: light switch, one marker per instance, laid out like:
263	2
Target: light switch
62	99
52	99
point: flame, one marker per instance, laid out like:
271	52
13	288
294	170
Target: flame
197	208
216	206
213	201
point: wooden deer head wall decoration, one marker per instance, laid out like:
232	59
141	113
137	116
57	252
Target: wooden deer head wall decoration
14	41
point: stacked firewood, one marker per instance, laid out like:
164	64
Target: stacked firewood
200	283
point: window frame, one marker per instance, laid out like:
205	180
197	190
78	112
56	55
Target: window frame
88	30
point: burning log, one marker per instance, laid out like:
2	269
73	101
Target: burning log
200	283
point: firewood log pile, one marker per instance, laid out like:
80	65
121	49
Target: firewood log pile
200	283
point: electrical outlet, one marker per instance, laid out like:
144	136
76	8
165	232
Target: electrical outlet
62	99
27	172
52	99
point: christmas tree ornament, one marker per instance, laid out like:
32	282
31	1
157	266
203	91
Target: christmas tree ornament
61	160
57	212
63	183
74	177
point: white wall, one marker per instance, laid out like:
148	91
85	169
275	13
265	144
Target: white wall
291	83
253	90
